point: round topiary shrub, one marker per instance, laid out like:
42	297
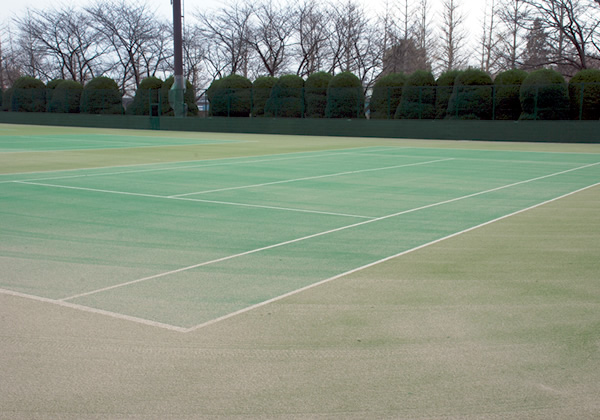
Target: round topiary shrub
445	86
101	96
418	97
506	96
584	94
28	95
231	96
189	98
471	97
66	97
315	94
261	91
544	96
50	86
386	96
147	96
345	97
286	98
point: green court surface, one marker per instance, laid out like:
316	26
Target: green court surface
197	234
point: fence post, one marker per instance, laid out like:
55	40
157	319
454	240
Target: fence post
389	102
303	105
420	102
493	102
535	103
581	101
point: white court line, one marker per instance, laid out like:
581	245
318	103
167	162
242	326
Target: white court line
198	200
285	181
94	310
366	266
323	233
206	164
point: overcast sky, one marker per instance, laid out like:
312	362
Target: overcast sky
472	9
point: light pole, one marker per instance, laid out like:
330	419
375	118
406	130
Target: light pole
178	89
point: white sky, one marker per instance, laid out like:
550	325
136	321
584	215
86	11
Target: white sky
472	9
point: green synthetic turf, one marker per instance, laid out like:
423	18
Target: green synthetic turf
88	230
499	322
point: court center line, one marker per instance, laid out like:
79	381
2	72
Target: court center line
383	260
323	233
198	200
285	181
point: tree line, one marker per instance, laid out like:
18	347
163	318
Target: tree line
128	42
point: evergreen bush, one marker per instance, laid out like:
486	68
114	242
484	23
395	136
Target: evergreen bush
315	94
584	94
386	95
345	97
28	95
287	98
101	95
418	97
231	96
189	98
66	97
506	101
50	86
544	96
445	86
261	91
146	96
471	97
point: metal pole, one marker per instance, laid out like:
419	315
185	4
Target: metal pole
178	88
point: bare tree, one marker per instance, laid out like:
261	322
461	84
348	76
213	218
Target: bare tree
424	31
65	39
9	68
571	27
353	43
270	34
226	32
489	40
133	35
514	16
453	37
311	33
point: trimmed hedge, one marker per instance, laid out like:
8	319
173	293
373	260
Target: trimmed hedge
230	96
28	95
471	97
544	96
584	95
189	98
506	102
445	87
345	97
101	96
418	97
66	97
386	96
261	91
147	94
286	98
315	94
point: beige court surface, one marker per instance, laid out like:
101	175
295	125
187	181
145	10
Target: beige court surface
445	332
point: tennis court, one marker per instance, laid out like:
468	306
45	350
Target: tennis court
183	244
